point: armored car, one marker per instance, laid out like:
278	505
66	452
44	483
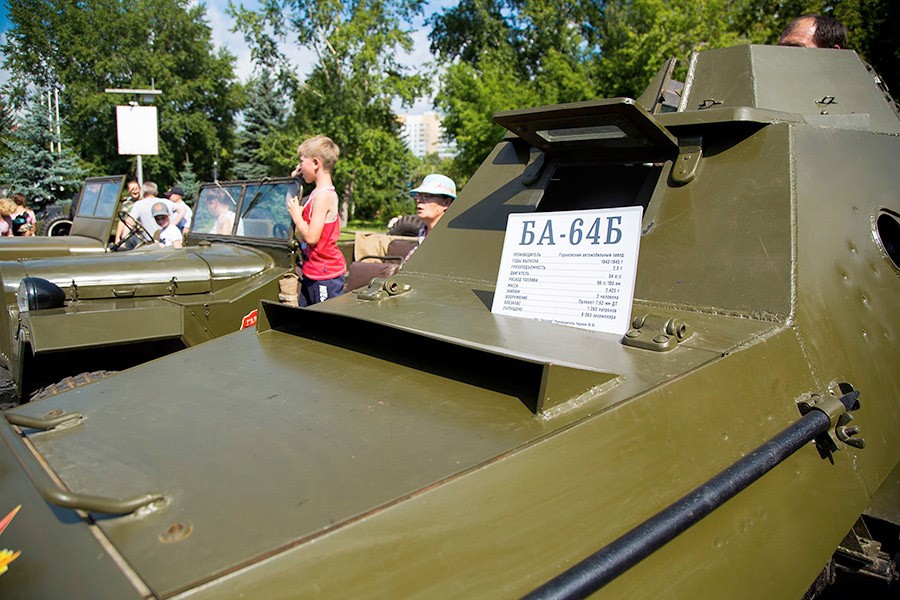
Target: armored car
738	437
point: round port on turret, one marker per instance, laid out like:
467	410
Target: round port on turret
887	234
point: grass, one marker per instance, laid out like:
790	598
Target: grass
357	225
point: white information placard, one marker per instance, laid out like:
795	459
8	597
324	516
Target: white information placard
572	268
137	130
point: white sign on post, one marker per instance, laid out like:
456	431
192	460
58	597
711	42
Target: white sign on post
137	130
572	268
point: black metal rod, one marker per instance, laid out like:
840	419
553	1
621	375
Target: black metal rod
600	568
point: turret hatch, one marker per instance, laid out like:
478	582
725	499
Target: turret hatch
618	128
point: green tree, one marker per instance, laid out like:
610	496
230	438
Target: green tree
870	24
189	182
637	36
504	54
265	115
873	32
86	47
44	175
7	123
349	92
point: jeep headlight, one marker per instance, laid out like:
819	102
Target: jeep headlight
35	293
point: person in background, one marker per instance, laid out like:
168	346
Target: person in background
318	222
433	198
168	236
142	210
219	204
7	208
23	217
814	31
176	195
132	195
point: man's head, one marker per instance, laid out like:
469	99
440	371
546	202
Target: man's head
217	202
160	213
176	194
434	197
814	31
134	190
150	189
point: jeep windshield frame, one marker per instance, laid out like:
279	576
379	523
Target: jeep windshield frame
98	201
246	211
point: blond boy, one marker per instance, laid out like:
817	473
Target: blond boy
318	222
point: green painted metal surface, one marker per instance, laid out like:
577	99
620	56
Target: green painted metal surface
422	446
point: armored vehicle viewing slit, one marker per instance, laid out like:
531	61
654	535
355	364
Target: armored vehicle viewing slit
740	439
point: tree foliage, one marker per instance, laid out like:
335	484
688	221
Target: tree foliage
265	115
348	94
503	54
7	124
86	47
874	34
189	182
43	174
637	36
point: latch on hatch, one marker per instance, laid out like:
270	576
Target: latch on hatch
690	151
654	332
381	288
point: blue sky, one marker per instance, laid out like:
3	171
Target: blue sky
220	23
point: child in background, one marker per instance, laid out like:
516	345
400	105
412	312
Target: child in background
168	235
7	208
23	218
318	222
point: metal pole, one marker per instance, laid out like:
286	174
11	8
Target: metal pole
50	117
140	171
58	132
600	568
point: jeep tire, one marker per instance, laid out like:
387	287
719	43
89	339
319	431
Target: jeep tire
408	225
69	383
56	225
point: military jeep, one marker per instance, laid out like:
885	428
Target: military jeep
92	227
107	311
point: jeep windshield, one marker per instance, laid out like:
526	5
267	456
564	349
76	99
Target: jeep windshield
260	205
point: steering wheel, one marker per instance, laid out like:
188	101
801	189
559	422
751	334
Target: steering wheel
281	232
135	228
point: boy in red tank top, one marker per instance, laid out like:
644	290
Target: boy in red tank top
318	222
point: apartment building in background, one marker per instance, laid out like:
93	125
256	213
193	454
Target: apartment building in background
424	135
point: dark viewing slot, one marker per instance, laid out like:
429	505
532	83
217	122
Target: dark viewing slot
480	368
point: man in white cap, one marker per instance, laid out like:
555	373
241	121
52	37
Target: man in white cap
433	198
168	236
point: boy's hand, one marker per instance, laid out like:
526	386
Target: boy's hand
293	204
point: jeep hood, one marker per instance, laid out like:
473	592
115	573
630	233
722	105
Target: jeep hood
12	248
154	272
